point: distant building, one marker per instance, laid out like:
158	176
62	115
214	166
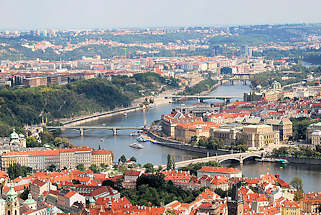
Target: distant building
260	136
284	126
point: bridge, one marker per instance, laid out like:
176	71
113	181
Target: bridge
201	99
84	128
240	157
243	77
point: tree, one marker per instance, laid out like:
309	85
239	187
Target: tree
122	159
298	185
75	181
24	194
81	167
94	168
32	142
15	170
133	159
149	167
52	168
169	162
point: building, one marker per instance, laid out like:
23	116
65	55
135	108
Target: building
259	136
311	129
283	126
177	176
60	158
99	157
12	203
130	178
38	187
311	203
170	121
67	198
35	81
184	132
219	171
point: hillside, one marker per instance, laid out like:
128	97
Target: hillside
21	105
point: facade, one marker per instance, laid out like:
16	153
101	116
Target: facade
260	136
170	121
61	158
310	129
284	126
12	206
99	157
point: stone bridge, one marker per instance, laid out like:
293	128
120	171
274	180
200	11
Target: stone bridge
240	157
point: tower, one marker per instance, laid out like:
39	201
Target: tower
12	202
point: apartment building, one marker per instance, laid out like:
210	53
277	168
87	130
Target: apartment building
61	158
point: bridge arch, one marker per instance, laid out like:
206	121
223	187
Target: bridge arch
250	156
229	159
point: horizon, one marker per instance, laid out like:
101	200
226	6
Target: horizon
155	27
101	14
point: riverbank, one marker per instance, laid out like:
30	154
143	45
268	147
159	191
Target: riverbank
308	161
181	146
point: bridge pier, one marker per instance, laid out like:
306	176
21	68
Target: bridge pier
114	131
81	130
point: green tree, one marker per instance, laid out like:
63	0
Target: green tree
24	194
94	168
149	167
32	142
15	170
133	159
81	167
298	185
122	159
75	181
52	168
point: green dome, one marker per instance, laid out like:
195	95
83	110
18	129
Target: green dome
14	135
29	201
12	194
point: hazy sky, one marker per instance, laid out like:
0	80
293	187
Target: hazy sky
30	14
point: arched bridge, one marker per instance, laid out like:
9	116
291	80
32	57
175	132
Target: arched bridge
84	128
240	157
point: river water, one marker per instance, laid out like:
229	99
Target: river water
156	154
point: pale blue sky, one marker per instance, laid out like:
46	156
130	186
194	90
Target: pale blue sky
31	14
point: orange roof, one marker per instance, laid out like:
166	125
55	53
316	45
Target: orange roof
218	169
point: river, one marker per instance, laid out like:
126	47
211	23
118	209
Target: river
156	154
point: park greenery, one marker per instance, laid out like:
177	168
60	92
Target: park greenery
298	152
299	126
15	170
21	105
215	144
266	79
154	190
204	85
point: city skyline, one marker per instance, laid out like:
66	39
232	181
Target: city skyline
83	14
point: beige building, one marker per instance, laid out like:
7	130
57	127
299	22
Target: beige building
260	136
312	129
62	158
102	157
315	138
284	126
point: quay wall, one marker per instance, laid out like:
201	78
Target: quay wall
311	161
181	146
100	116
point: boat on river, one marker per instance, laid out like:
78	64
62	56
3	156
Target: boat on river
141	139
136	145
273	160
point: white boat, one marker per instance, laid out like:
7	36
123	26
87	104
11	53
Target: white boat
134	133
125	114
136	145
141	139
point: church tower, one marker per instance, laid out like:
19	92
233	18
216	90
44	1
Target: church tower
12	202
